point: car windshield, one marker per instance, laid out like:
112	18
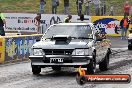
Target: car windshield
77	31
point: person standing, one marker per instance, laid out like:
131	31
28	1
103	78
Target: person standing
42	5
2	24
87	7
55	3
131	19
103	8
97	7
124	25
37	22
126	8
130	11
66	6
111	11
79	6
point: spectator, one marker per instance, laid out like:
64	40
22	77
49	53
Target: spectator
37	22
82	17
79	6
121	24
111	11
131	19
130	11
2	23
66	6
68	19
103	8
42	5
126	8
124	24
87	7
55	3
97	7
129	22
116	29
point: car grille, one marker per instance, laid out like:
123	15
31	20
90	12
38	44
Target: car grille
58	51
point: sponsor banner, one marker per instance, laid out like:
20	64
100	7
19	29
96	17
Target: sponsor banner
82	78
2	49
104	78
49	19
19	48
20	22
108	24
25	22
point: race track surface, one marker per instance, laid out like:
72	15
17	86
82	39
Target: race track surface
19	75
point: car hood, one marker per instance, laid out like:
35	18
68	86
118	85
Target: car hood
60	45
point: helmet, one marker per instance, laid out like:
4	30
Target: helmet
70	16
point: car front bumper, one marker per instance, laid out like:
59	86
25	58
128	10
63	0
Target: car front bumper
76	60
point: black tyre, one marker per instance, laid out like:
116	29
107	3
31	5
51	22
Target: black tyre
91	68
36	70
130	47
56	68
104	65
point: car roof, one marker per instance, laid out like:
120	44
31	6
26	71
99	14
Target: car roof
75	23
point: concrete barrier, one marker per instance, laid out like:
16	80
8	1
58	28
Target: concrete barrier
16	48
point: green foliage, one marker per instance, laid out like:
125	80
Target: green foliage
32	6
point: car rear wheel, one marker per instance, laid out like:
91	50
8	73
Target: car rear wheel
56	68
36	70
104	65
92	65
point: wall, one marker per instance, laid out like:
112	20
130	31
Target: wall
16	48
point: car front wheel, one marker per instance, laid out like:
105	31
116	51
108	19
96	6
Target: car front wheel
36	70
91	68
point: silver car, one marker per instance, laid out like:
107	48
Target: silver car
71	45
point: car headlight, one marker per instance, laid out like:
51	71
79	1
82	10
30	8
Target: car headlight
38	52
80	52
